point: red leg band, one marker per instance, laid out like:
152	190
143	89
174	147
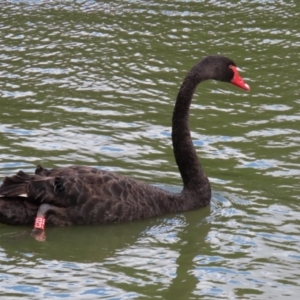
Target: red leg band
39	223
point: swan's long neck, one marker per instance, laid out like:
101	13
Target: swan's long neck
194	179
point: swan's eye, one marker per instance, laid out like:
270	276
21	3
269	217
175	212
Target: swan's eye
233	69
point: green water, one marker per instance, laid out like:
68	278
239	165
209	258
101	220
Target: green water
94	83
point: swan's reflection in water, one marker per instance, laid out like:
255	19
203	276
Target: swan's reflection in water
195	250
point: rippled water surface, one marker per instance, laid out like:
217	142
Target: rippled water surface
94	83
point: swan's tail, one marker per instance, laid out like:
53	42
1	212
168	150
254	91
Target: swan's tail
34	187
42	171
16	185
37	189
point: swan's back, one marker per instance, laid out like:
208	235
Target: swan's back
97	196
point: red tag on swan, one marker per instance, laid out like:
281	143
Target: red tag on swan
40	223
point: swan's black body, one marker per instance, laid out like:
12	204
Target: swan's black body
84	195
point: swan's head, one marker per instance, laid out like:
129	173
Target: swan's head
221	68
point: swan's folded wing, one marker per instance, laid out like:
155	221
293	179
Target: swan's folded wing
92	195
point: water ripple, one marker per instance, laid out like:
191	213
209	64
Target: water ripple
94	83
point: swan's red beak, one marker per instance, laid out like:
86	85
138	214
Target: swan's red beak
238	80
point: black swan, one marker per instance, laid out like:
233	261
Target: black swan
84	195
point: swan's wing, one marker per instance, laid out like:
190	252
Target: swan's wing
64	187
89	195
107	189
